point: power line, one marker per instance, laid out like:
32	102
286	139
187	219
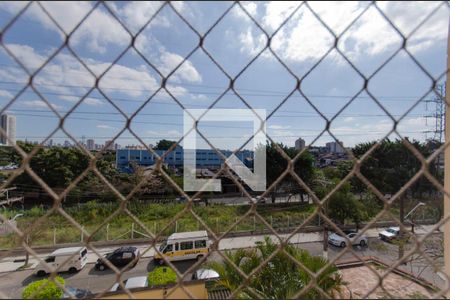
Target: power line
315	115
263	93
222	137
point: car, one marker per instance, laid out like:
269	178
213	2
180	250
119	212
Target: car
261	199
337	240
77	293
130	283
71	259
205	274
181	199
389	234
258	200
119	258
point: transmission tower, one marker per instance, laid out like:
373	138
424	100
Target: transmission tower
437	104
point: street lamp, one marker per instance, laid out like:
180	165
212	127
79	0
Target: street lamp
414	208
410	213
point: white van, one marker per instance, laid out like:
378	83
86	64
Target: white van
183	246
59	257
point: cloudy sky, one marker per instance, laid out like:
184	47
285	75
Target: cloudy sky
330	77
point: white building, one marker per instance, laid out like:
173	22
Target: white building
300	144
8	123
334	147
90	143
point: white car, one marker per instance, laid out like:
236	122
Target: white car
389	234
338	240
130	283
205	274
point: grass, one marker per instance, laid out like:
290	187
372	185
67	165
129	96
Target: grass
93	217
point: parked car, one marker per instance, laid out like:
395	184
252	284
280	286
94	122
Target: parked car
205	274
181	199
77	293
130	283
261	199
258	200
119	258
340	241
77	261
389	234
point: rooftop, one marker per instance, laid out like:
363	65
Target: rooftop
190	234
69	250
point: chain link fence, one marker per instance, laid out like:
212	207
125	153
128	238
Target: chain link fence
251	217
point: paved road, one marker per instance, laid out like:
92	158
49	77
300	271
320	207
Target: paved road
12	283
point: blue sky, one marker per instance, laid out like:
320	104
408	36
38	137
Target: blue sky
198	82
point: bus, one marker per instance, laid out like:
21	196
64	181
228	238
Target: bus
184	246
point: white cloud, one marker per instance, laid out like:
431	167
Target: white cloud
169	133
199	97
6	94
250	43
304	38
88	101
93	101
279	126
27	56
104	126
349	119
186	72
39	104
136	14
66	75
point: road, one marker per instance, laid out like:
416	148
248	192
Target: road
12	283
241	200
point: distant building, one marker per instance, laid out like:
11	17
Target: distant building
109	145
67	144
300	144
206	158
90	144
8	123
334	147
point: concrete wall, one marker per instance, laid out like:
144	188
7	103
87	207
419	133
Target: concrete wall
196	288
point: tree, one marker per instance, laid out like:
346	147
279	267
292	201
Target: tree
44	289
343	205
164	144
276	164
281	278
162	276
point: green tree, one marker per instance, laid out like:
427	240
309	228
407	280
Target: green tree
391	165
44	289
343	206
161	276
281	278
164	144
276	164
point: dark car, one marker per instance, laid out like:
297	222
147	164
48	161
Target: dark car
119	258
77	293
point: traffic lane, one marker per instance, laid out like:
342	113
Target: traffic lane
12	283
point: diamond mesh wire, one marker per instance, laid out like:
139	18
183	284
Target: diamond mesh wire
320	203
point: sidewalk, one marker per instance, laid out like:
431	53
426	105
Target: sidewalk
8	265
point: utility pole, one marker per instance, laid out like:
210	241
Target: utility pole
438	114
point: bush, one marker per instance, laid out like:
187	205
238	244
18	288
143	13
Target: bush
49	289
161	276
